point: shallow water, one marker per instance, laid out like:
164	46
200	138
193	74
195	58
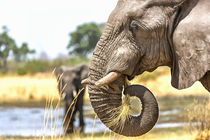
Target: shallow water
46	122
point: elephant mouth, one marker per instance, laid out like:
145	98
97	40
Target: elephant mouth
129	110
109	78
115	80
131	105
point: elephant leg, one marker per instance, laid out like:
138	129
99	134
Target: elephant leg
80	109
205	80
69	119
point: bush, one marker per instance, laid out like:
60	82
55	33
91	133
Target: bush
34	66
21	71
69	62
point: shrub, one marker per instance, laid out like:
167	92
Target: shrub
34	66
69	62
199	119
21	71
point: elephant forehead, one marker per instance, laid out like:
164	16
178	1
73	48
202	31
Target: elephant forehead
68	77
127	8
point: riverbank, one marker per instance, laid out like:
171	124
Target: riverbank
39	92
30	122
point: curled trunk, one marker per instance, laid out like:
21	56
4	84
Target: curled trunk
112	112
107	100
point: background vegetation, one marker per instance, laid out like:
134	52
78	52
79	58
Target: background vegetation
16	59
30	82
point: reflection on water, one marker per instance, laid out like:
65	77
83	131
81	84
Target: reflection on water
39	122
45	122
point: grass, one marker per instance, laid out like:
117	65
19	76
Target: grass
166	134
200	121
27	88
34	90
160	84
39	90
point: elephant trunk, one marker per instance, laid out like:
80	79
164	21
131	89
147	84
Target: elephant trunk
107	100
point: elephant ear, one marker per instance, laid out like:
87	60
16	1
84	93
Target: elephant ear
191	45
59	71
84	72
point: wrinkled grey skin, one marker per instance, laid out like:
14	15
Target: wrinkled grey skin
69	84
142	35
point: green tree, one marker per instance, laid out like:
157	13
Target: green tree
6	45
20	54
84	39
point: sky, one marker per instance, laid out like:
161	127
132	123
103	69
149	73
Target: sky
45	24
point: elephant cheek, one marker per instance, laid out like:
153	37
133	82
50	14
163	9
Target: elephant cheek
124	60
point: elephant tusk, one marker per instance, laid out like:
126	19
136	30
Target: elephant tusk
74	93
63	95
85	81
111	77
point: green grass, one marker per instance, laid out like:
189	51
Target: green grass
36	66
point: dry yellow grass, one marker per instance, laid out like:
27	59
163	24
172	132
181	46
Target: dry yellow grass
44	85
23	88
199	113
161	86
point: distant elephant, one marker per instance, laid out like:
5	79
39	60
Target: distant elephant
141	35
69	84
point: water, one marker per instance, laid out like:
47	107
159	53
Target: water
46	122
39	122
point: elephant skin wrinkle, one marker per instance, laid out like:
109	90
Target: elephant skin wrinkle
141	36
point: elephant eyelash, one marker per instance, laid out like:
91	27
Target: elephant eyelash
136	25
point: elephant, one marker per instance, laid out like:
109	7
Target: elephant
141	35
69	84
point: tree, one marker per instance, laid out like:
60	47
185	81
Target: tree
84	39
6	45
20	54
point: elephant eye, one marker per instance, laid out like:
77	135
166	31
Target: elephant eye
134	25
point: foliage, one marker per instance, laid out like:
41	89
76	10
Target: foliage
20	54
7	45
84	39
69	62
34	66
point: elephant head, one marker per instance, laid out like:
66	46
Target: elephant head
140	36
69	80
